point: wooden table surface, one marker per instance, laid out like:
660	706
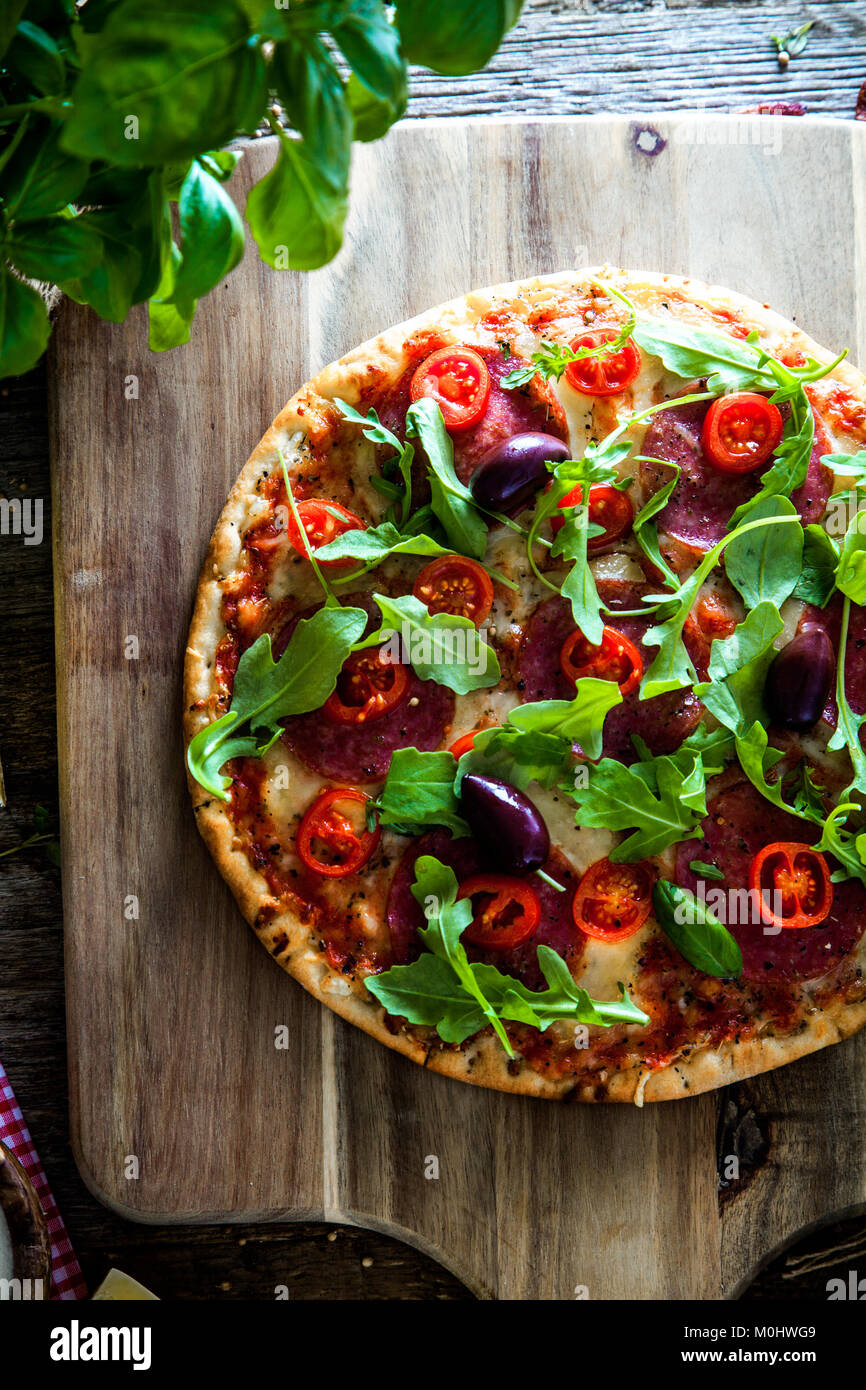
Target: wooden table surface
569	56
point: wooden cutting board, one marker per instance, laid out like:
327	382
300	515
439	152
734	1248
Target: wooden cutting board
183	1108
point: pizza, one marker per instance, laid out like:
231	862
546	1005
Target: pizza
524	688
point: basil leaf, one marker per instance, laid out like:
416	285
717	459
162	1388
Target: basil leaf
110	286
266	691
296	213
696	932
766	565
35	56
452	502
372	47
454	38
442	990
24	325
848	728
851	466
419	793
441	647
192	77
536	741
39	178
738	669
817	581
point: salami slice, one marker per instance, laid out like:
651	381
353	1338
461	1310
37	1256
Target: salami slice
533	407
705	498
662	722
556	929
362	753
739	823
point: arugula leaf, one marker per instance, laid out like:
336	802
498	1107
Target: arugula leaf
729	364
452	502
696	932
851	466
846	846
738	669
266	691
817	581
795	41
295	212
376	543
851	573
419	793
702	870
443	990
550	360
766	565
791	456
441	647
757	759
661	802
671	668
535	743
847	733
24	325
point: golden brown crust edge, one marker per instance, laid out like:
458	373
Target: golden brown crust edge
286	938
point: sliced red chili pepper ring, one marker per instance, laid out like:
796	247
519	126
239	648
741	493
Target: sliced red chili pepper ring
455	584
612	901
615	659
792	884
323	522
457	379
741	431
609	372
328	841
508	913
368	687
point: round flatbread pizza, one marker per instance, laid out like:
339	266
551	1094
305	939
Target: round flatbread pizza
524	688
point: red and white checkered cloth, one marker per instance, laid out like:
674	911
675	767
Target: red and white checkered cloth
66	1277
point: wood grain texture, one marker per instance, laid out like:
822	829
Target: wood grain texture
172	1016
576	57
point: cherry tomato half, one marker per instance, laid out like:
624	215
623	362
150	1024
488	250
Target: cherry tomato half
613	901
323	522
508	913
610	372
799	879
741	431
453	584
367	687
458	381
608	507
616	659
328	841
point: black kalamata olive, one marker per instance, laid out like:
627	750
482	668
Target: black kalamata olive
800	679
509	829
513	471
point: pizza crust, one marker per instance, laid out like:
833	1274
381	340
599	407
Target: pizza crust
308	417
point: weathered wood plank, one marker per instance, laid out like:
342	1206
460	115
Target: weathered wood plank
576	57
